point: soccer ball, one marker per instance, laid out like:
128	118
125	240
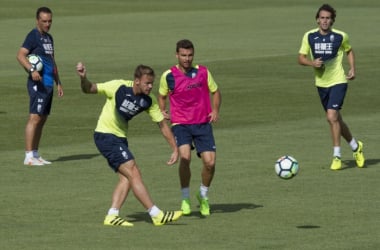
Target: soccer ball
286	167
36	61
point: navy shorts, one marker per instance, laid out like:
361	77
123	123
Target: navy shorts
40	98
333	97
113	148
200	134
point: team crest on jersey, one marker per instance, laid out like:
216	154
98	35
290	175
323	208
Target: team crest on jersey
332	38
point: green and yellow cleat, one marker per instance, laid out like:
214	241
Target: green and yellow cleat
185	207
204	207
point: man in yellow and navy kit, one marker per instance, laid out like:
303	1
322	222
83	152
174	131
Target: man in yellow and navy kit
124	100
323	49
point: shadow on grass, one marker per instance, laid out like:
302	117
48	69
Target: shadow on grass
352	164
214	208
76	157
308	227
141	216
232	208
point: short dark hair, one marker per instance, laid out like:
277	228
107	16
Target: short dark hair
328	8
44	10
184	44
143	70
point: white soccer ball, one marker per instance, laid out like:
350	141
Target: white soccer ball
286	167
36	61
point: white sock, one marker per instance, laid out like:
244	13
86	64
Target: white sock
185	193
354	144
113	211
337	152
28	154
154	211
203	191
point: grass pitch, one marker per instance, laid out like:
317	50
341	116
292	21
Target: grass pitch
270	108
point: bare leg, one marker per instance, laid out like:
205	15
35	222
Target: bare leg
131	172
208	169
121	192
184	165
335	129
33	131
345	131
338	127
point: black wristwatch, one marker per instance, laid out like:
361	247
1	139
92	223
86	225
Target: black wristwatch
31	70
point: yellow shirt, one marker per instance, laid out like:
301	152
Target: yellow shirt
110	121
330	48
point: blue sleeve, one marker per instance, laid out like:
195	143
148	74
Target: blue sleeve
30	42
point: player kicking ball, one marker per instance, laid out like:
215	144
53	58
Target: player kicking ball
124	100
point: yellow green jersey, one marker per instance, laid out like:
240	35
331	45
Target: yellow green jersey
122	105
331	49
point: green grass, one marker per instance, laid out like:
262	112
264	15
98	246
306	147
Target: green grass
270	108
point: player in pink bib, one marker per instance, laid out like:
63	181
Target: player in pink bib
192	112
190	98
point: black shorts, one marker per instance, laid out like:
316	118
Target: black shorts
200	134
113	148
333	97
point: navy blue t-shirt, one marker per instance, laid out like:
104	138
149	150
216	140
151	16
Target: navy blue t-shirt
42	45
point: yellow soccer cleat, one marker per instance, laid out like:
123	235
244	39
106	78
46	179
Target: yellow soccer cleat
336	164
359	156
114	220
165	217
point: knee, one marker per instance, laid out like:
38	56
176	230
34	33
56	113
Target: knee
134	170
209	165
36	119
123	180
331	117
130	170
185	159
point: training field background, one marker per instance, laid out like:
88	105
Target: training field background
270	108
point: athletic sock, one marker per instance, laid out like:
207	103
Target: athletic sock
185	193
337	152
154	211
113	211
203	191
354	144
35	154
29	154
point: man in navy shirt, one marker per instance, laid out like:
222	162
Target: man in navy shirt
40	84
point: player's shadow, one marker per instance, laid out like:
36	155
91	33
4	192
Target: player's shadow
308	226
76	157
140	216
352	164
225	208
232	208
215	208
